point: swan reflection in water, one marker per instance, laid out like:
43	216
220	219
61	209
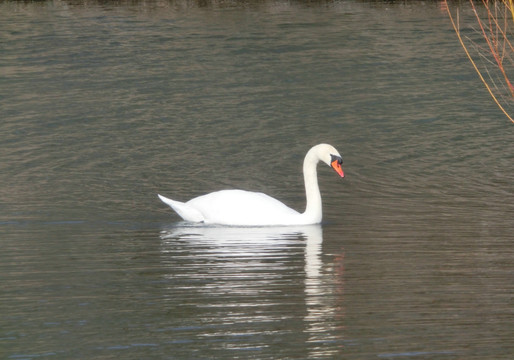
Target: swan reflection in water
249	275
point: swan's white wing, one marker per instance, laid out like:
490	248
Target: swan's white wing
238	207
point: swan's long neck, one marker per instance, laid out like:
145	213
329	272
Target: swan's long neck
313	209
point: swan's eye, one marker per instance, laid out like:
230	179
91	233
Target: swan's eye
336	158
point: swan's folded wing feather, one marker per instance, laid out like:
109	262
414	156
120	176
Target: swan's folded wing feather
239	207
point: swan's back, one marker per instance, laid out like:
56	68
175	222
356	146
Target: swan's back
239	207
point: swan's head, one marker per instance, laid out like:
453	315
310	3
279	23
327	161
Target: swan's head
335	163
330	156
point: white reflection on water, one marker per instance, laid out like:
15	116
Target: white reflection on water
248	267
313	288
247	241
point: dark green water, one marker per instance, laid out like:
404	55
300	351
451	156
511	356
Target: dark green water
105	104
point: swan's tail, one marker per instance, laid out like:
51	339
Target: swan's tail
185	211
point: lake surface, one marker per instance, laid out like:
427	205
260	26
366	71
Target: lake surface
105	104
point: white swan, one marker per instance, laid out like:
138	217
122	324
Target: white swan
245	208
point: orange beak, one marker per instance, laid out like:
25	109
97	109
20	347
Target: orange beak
337	167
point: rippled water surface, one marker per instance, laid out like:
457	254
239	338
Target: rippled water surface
105	104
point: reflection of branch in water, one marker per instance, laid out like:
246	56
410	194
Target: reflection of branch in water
498	50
